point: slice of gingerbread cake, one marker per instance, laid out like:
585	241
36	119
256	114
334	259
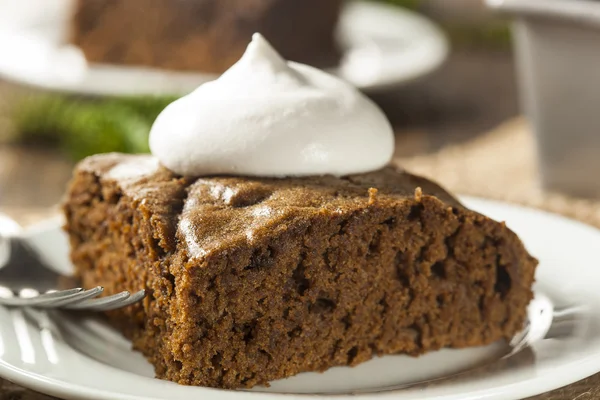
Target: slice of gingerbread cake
252	280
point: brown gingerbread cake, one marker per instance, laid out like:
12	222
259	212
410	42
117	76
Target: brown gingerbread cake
203	35
253	279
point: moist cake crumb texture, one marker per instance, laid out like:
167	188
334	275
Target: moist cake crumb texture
253	279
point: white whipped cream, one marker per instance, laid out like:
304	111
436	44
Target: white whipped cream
269	117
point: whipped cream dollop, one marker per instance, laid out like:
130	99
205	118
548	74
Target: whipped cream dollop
269	117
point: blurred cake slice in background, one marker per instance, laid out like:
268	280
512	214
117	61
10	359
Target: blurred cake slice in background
204	35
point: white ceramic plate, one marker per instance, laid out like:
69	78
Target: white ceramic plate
80	358
384	46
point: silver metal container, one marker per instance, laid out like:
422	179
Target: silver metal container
557	45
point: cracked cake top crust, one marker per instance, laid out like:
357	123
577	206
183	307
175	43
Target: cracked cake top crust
221	211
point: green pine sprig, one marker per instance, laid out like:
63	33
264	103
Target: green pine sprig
81	127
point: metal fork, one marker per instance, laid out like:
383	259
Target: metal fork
546	321
26	282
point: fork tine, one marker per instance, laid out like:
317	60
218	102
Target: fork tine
16	301
134	298
57	294
77	297
93	304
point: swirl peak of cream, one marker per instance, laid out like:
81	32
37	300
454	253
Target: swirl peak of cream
269	117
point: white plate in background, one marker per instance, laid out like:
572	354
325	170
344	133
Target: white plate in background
384	46
84	359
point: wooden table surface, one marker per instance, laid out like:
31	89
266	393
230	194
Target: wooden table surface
472	93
